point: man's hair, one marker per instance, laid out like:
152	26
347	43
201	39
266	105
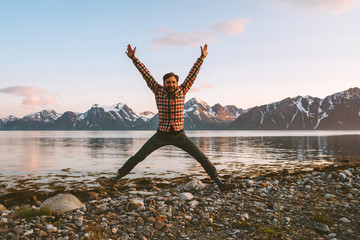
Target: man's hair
170	74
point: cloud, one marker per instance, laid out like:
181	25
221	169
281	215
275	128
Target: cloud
231	28
182	39
203	86
336	6
32	96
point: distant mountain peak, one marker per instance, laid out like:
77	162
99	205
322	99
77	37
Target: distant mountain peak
117	107
198	100
44	115
147	115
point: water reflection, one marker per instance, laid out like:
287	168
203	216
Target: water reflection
29	152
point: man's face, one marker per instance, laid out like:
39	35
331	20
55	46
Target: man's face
171	84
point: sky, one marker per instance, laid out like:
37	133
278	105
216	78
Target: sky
69	55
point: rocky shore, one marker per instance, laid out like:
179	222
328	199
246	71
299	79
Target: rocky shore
318	204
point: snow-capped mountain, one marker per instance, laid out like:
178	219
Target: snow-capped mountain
4	121
338	111
199	115
34	121
116	117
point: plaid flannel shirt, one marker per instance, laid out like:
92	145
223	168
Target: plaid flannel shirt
171	107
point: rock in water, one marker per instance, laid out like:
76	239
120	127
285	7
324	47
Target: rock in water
62	202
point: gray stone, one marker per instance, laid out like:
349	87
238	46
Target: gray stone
18	230
194	185
193	204
286	220
342	177
188	217
28	232
245	216
62	202
50	228
186	196
180	187
41	233
124	236
144	193
136	203
345	220
348	173
329	196
326	228
79	222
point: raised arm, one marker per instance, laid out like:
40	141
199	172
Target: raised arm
150	80
186	85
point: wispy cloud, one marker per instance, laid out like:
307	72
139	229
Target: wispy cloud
32	96
230	28
335	6
182	39
203	86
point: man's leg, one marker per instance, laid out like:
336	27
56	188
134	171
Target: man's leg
190	147
151	145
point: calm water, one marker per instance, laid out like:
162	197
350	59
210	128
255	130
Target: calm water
92	153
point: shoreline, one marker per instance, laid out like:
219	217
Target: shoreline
320	203
23	191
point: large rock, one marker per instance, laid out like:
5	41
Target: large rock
62	202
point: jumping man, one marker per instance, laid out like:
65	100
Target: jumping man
170	102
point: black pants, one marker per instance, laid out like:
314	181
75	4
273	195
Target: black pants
160	139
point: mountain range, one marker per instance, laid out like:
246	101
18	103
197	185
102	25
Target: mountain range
339	111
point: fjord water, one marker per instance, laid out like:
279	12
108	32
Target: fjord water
92	153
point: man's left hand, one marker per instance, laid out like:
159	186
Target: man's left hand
203	52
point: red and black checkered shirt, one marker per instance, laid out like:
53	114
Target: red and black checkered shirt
170	106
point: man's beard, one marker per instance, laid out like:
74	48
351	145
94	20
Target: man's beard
171	90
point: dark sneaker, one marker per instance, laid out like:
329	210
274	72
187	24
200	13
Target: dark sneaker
106	182
227	187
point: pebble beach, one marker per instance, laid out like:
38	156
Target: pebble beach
323	203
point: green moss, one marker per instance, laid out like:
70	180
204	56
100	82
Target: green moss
269	231
318	217
272	233
29	213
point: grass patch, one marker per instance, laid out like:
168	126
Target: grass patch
273	233
318	217
30	213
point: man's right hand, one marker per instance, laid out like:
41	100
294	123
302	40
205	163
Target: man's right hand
131	52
